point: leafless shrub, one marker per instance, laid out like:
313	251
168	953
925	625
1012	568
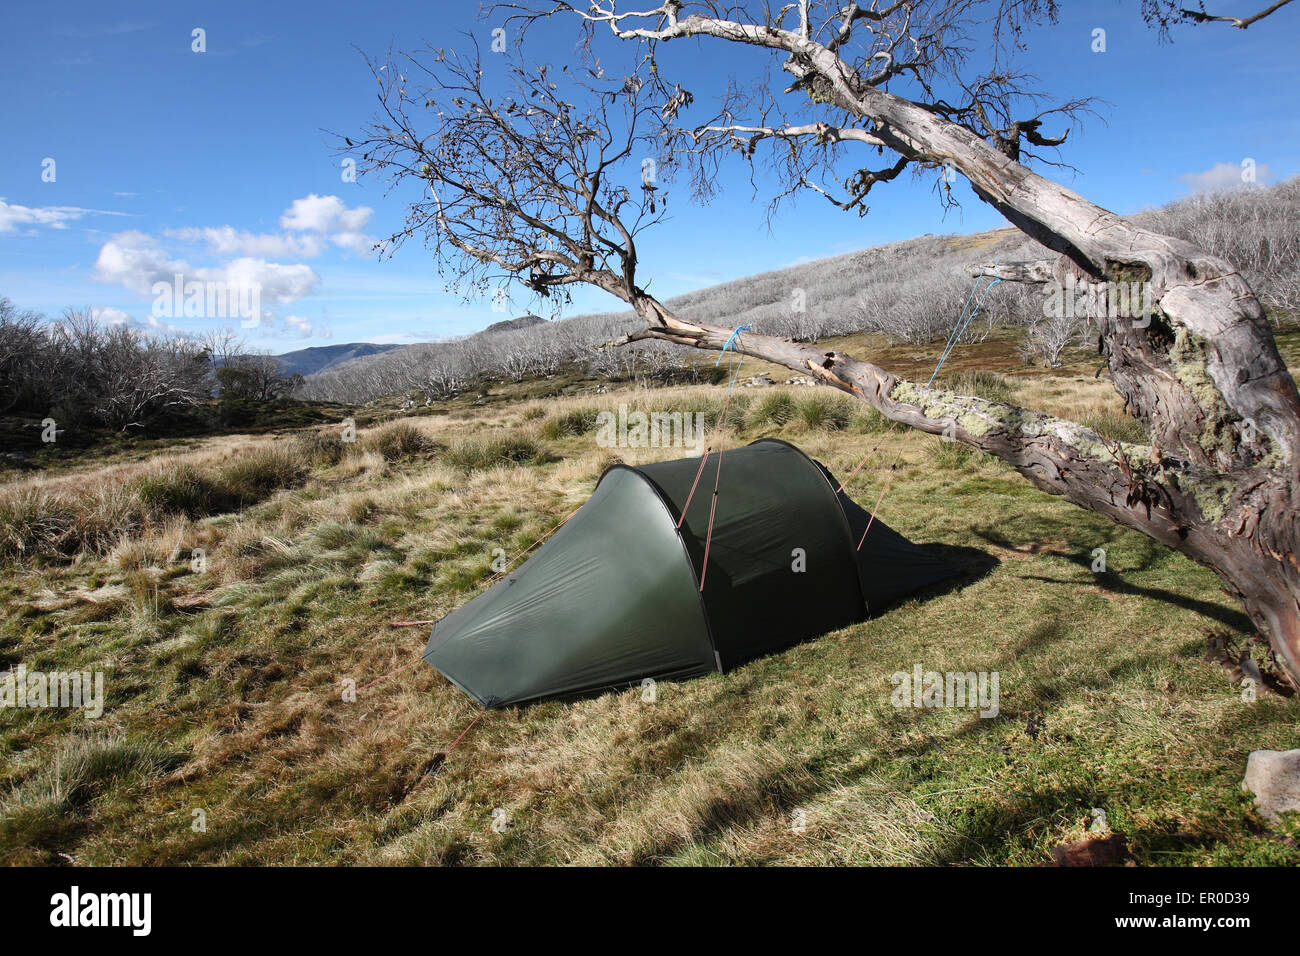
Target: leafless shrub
1256	229
1048	336
80	369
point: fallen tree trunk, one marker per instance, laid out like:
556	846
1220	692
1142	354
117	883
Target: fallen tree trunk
528	193
1221	479
1241	524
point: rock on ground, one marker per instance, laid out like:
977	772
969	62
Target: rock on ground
1274	777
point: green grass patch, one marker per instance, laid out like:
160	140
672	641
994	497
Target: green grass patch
1117	428
578	421
480	454
954	454
869	421
824	412
775	410
986	385
397	441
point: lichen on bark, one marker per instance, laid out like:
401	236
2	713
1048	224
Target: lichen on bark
1187	358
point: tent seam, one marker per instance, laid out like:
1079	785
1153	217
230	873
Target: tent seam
844	519
686	554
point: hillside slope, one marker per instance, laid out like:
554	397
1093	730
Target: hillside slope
909	291
318	358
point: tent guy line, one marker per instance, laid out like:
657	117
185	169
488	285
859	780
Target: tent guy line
722	421
959	329
722	418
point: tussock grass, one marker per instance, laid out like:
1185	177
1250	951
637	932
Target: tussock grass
1106	699
577	421
397	441
871	422
94	513
1116	427
86	515
321	446
79	769
987	385
955	455
776	409
711	408
828	412
481	454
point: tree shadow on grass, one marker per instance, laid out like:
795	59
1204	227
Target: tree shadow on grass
993	829
1080	539
1081	554
1111	582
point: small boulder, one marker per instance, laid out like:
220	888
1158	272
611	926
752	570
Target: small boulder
1274	777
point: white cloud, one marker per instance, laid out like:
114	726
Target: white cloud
330	216
304	328
136	261
112	316
324	214
312	225
228	241
56	217
279	282
1223	176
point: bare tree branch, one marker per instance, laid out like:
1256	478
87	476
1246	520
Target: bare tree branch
1199	367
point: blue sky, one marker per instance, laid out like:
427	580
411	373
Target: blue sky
218	163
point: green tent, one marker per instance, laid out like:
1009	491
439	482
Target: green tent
614	596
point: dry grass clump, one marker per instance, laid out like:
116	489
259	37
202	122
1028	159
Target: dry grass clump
577	421
92	513
321	447
986	385
79	768
397	441
1116	427
481	454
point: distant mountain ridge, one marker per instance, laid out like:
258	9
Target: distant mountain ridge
512	325
320	357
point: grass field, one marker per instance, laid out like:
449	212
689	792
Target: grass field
225	738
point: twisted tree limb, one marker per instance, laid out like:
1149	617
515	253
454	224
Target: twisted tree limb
1201	370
